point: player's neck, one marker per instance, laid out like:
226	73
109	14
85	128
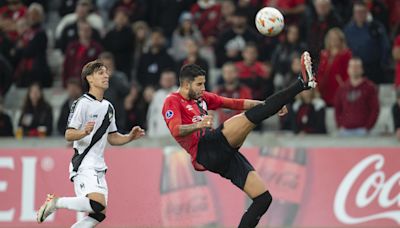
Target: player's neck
183	93
97	93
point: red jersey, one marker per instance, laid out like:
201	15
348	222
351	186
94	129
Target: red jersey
179	111
397	74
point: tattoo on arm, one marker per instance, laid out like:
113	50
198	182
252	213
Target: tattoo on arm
188	129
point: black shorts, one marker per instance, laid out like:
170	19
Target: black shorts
217	156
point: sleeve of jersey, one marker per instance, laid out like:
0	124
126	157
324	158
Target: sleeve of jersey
172	115
214	102
75	118
113	127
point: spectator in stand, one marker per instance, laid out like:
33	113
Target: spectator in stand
156	126
136	105
185	30
394	16
31	51
165	14
6	127
250	8
334	61
369	41
154	61
74	90
290	76
323	17
120	40
80	52
232	42
254	73
36	116
6	76
135	9
308	114
118	88
67	29
396	114
379	11
67	7
283	54
396	57
9	15
207	14
292	10
356	103
193	57
228	9
141	39
231	88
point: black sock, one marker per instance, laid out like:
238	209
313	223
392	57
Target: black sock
257	209
274	103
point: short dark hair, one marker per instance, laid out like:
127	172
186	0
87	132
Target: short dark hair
89	69
190	72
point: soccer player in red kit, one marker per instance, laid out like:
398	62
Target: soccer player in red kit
217	150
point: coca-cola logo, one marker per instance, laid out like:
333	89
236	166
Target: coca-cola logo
377	187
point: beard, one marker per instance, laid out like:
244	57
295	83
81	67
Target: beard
192	94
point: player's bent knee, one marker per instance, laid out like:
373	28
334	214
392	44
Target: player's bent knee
96	206
263	201
98	216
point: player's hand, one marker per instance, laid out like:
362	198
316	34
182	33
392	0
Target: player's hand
89	127
206	122
283	111
136	132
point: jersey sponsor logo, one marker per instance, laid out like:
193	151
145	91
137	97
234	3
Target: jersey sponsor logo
169	114
189	107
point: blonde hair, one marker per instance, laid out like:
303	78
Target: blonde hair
335	31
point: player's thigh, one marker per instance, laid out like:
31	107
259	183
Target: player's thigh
236	129
92	184
254	185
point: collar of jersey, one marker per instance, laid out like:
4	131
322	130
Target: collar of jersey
92	96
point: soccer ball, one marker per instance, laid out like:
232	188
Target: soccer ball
269	21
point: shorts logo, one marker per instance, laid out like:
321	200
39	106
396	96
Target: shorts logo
169	114
82	185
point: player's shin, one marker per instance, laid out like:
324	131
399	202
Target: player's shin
274	103
257	209
86	222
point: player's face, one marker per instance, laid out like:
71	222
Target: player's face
100	78
197	87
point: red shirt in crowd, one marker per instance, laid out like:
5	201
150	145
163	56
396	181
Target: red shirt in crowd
8	14
207	19
179	111
76	56
332	73
397	74
357	107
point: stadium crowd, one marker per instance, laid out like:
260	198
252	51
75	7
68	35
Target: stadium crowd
355	46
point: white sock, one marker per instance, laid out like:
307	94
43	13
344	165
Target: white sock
85	222
75	203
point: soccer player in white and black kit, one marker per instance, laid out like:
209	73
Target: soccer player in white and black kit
91	124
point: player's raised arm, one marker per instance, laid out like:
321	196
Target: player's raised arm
116	138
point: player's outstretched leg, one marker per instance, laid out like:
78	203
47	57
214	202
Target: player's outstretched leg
238	127
93	204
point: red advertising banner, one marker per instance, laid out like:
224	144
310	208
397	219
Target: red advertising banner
154	187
